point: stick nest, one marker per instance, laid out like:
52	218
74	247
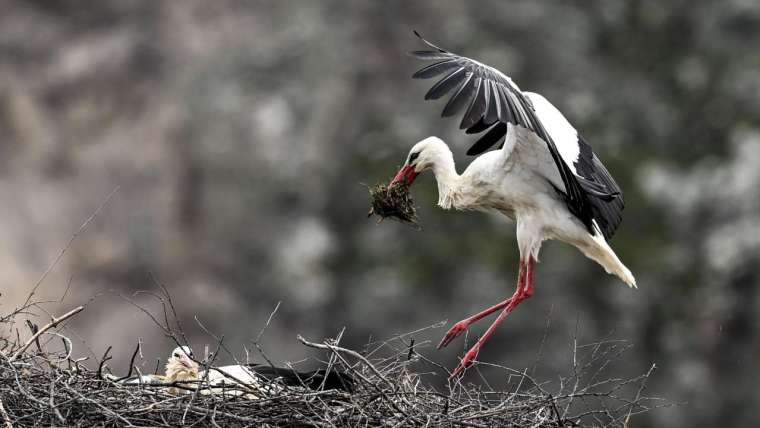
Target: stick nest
392	390
395	202
395	384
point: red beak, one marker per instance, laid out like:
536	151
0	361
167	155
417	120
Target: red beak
406	174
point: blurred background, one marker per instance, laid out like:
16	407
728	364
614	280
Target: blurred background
240	134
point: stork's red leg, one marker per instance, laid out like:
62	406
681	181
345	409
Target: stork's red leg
463	325
528	285
524	291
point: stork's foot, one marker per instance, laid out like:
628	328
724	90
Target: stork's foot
453	332
468	359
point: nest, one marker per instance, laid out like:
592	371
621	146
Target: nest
395	383
392	389
395	202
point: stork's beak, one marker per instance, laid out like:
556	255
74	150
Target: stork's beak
187	362
406	174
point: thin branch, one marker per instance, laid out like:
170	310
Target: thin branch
6	418
131	363
68	245
345	351
41	331
103	361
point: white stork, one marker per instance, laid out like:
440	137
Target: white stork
181	368
271	379
544	175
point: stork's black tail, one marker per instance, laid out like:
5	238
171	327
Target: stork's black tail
317	379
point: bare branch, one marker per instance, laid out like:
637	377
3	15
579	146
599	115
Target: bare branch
47	327
68	245
6	418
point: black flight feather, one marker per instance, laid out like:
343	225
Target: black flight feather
477	107
446	84
479	127
489	139
460	98
429	55
494	104
433	70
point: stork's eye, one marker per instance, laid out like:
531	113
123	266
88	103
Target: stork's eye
413	156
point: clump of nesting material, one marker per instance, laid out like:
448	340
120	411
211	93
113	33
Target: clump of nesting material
395	202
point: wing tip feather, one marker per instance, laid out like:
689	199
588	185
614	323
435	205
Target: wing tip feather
416	33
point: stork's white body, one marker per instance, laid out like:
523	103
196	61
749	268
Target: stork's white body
512	181
232	374
236	380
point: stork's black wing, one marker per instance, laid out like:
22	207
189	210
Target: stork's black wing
490	101
317	379
608	210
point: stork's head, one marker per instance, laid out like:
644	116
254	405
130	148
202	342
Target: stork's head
425	155
180	365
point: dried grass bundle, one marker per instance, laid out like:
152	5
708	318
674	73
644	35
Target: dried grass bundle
395	202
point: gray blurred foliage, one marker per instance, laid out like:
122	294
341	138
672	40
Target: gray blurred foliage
240	133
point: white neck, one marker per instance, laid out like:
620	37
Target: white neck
447	178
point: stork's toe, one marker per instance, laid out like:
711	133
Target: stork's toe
453	332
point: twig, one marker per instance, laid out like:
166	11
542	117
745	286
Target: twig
96	403
68	244
50	325
411	350
131	363
52	404
345	351
168	297
103	360
269	321
6	418
638	393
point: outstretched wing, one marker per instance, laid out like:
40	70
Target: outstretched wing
490	101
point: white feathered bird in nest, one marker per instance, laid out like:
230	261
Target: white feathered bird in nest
181	370
252	380
544	176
